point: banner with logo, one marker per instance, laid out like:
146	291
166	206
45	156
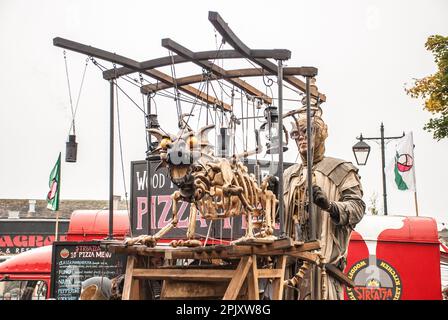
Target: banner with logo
401	168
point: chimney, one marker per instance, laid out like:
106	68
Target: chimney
32	208
13	214
117	200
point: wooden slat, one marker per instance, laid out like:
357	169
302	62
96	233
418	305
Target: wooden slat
270	273
238	279
277	285
128	279
193	290
184	274
252	281
338	274
307	256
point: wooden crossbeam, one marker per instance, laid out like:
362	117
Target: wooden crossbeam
96	53
215	69
208	281
184	274
203	55
283	246
237	73
223	28
158	75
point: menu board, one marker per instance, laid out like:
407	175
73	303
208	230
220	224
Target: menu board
74	262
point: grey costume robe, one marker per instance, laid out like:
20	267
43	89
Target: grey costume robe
341	184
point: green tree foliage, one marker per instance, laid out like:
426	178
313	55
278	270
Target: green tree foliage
434	88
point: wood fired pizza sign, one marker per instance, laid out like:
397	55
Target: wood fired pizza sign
375	279
161	205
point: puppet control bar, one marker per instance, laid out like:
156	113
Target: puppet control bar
201	58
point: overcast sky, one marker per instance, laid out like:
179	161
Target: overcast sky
365	52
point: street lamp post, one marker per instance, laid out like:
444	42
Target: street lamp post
361	151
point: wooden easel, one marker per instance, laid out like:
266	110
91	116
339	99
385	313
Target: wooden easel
212	281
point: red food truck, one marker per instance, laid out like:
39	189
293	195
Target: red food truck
394	258
32	269
389	257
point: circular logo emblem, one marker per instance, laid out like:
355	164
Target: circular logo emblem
64	253
374	281
53	189
404	162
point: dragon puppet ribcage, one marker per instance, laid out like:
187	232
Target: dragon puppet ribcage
217	188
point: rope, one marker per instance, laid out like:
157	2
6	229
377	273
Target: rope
176	90
69	92
144	112
247	119
79	95
121	158
242	122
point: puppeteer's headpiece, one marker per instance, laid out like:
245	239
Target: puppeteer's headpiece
320	130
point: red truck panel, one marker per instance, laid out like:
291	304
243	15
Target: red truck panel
394	258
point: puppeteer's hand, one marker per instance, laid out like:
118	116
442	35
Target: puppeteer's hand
320	199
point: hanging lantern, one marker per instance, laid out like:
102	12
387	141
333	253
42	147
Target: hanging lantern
71	148
152	123
269	131
224	142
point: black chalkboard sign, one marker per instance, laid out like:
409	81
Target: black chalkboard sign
74	262
161	204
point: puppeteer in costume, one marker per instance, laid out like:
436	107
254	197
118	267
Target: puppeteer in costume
337	197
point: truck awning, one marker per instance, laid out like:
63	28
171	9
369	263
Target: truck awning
36	260
397	229
94	225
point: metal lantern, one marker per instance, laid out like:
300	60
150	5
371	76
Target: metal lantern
361	151
152	123
270	131
71	148
224	142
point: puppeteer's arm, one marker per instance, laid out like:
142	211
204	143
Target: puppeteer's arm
350	208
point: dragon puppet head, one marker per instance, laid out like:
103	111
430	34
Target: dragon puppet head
183	155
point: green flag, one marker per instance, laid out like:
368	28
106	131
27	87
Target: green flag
54	184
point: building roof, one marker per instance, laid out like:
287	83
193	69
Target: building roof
66	207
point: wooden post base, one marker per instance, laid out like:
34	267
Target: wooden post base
231	281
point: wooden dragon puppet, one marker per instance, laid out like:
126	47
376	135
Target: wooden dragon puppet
216	187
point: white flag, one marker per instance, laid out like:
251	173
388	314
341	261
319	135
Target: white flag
402	166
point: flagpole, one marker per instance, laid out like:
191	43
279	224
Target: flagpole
415	180
416	203
57	224
57	201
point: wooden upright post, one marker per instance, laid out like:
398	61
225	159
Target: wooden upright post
252	281
131	286
277	284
